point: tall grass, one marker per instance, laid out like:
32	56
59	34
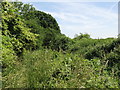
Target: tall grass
47	69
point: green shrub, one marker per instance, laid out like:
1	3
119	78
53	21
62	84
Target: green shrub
8	55
52	69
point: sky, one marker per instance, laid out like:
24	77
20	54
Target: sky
99	19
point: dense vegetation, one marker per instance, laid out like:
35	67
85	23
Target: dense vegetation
35	54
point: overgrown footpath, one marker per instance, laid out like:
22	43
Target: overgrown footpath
36	55
47	69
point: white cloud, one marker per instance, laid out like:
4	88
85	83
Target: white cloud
78	17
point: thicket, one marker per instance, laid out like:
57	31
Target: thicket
35	54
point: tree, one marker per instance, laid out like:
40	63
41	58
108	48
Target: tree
81	36
13	26
42	19
23	8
